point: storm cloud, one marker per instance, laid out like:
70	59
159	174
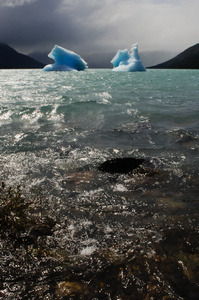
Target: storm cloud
13	3
87	26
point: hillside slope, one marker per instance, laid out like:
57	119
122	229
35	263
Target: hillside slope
11	59
188	59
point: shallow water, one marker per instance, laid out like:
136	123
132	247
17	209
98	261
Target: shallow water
57	127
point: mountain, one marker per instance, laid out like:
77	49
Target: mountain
94	60
103	59
11	59
188	59
99	60
152	58
41	56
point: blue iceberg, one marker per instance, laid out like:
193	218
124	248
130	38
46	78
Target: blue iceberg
65	60
128	62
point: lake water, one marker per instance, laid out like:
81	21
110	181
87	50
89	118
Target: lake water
56	128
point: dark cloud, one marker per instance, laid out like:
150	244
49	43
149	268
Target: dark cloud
87	26
41	24
33	25
14	3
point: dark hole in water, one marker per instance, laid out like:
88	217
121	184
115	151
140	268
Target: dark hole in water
120	165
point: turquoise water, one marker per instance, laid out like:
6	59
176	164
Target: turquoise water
57	127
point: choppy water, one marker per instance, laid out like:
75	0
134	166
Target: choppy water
57	127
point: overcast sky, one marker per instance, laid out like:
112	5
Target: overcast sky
87	26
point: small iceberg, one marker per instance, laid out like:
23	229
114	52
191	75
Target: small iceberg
65	60
128	62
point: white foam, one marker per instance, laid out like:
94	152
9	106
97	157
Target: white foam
33	118
5	116
119	188
18	137
88	250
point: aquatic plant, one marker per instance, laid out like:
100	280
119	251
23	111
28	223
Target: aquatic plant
16	221
34	265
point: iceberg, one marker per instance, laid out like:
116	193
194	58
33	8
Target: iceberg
65	60
128	62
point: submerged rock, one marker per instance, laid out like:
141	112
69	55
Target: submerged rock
120	165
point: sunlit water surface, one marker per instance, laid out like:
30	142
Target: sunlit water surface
57	127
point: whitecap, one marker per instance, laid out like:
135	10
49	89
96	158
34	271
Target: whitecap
5	116
88	250
119	188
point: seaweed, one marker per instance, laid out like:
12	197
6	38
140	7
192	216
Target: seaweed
35	266
18	222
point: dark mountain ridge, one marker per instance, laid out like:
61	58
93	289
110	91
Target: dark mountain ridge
188	59
11	59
